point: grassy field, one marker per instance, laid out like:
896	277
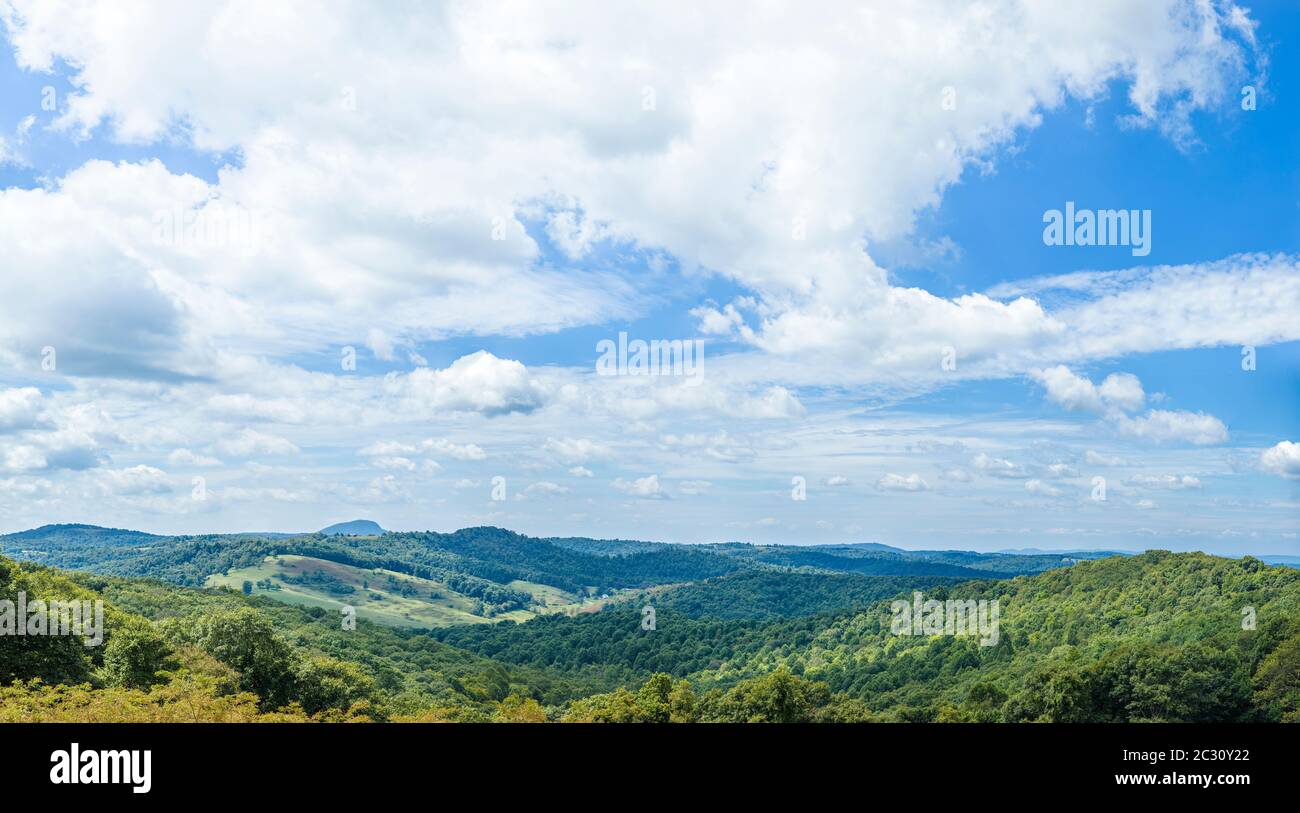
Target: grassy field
384	596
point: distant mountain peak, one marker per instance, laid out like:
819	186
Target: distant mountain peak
357	527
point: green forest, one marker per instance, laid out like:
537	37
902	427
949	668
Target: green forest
738	633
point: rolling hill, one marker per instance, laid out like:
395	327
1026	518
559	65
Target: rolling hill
357	527
1157	636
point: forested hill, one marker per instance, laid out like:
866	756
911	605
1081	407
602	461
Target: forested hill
1158	636
494	554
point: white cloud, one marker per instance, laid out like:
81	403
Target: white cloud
720	445
458	451
440	446
376	225
250	442
20	408
1161	425
544	488
1121	393
479	382
898	482
1282	459
137	480
380	344
694	487
576	450
24	458
247	406
646	487
1042	489
1172	482
1059	470
998	467
385	489
511	128
29	488
1118	392
1094	458
395	463
186	457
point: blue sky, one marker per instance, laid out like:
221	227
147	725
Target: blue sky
472	219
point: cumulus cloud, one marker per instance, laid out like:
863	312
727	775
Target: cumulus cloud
21	408
186	457
29	488
543	488
998	467
1094	458
646	487
733	150
479	382
250	442
1121	393
1041	489
1058	470
1162	425
402	463
898	482
459	451
717	446
351	222
575	450
23	458
436	446
133	481
1282	460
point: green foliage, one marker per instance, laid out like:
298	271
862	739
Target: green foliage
1155	637
136	657
1278	681
779	697
246	641
324	683
771	594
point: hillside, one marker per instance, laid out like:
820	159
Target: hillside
1151	637
1155	636
393	598
357	527
497	555
451	624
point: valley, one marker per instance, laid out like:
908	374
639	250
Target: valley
483	624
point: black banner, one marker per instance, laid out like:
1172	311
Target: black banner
248	763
